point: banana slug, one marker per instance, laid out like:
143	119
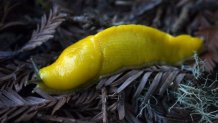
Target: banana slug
113	49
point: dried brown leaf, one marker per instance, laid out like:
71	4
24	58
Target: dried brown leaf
210	34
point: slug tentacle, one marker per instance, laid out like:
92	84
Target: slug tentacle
113	49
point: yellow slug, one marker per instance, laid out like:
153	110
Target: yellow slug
113	49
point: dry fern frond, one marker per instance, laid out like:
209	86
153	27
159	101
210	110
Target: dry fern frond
83	105
131	85
161	76
14	76
14	107
45	30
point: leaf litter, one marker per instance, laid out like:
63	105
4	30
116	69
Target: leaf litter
162	94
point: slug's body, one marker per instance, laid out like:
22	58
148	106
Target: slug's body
113	49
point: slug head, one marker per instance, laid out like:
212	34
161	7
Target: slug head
77	65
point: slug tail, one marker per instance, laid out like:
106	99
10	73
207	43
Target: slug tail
183	47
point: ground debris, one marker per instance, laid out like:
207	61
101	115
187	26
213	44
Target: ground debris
160	94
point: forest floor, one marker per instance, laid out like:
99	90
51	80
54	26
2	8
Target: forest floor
37	31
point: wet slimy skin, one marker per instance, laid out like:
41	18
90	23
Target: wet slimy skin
113	49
